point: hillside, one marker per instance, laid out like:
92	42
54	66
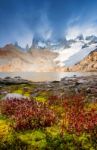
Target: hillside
89	63
13	59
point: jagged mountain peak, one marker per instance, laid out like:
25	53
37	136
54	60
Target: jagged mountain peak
80	37
91	37
76	51
38	42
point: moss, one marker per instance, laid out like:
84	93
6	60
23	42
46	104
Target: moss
44	93
6	132
8	137
54	131
27	94
85	141
41	99
1	96
60	142
34	139
2	117
19	91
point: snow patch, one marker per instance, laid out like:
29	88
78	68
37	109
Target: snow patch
74	54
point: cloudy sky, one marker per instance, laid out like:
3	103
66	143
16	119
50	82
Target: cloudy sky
20	20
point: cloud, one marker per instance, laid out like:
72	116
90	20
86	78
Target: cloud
77	27
72	32
44	28
87	30
23	35
73	20
24	40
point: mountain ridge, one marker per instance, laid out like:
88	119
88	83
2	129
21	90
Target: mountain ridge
63	56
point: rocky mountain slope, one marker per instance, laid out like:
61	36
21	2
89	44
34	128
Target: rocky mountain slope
89	63
12	60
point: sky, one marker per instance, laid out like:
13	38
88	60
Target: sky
21	20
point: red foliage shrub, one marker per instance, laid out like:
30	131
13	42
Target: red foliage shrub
78	118
27	114
53	100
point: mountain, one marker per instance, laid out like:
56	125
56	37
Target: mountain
70	51
59	55
13	59
89	63
10	52
39	42
76	50
92	39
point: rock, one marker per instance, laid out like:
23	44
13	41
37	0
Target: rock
93	90
9	81
88	90
77	90
3	92
17	77
55	82
34	95
11	96
7	78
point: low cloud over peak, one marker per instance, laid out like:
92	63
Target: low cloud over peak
20	20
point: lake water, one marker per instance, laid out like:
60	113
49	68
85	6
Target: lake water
45	76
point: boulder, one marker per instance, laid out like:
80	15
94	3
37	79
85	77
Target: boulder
10	96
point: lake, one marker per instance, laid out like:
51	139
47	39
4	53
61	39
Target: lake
45	76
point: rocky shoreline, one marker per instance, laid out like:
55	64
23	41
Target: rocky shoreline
86	85
15	80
